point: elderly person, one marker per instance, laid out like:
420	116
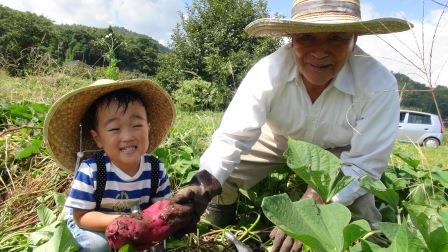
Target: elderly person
320	88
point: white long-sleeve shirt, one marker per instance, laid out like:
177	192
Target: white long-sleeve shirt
359	108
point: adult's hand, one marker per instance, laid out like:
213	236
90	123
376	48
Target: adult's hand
310	193
197	193
283	242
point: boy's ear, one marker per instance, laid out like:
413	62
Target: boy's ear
149	127
96	138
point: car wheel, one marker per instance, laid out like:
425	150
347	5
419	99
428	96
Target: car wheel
431	142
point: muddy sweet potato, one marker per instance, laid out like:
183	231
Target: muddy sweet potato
152	225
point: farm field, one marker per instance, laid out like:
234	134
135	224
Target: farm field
32	186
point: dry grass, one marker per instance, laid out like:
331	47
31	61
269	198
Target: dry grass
31	187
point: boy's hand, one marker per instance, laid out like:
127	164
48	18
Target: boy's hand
198	193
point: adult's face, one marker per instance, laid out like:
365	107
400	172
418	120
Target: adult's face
321	56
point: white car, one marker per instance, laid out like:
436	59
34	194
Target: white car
419	127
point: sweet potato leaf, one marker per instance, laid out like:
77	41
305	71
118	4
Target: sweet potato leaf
46	216
401	237
379	190
321	227
317	167
440	176
407	158
444	217
428	221
355	231
366	246
62	240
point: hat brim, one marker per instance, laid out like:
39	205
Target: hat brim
61	127
274	27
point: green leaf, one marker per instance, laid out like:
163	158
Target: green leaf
429	223
317	167
39	237
407	158
126	248
354	231
444	217
414	174
340	182
30	149
402	238
318	226
20	111
366	246
389	229
59	199
392	180
46	216
377	188
61	241
188	177
441	176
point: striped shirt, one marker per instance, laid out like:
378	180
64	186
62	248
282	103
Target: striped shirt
121	191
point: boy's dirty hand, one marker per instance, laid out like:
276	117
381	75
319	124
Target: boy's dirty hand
197	194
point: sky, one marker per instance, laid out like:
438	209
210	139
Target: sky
405	52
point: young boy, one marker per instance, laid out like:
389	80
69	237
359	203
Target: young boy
125	120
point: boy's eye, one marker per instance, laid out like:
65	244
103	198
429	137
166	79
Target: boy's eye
113	129
138	126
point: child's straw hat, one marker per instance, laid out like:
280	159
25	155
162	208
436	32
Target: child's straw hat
62	123
312	16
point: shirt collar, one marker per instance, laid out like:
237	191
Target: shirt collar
344	81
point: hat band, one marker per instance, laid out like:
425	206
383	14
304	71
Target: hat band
319	7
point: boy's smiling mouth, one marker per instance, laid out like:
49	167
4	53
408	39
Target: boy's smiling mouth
128	149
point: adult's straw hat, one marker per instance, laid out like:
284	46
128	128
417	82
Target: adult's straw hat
312	16
62	123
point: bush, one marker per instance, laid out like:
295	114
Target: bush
197	94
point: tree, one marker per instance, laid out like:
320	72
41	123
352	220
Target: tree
210	43
21	35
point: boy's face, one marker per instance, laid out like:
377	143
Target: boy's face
122	135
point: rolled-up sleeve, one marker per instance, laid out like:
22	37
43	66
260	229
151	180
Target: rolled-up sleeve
371	143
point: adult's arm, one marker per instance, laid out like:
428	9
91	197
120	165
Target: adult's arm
241	124
372	141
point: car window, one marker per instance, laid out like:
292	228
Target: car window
419	118
402	116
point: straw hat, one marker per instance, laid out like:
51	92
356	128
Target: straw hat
311	16
62	130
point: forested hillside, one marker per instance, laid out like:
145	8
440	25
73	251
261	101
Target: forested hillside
26	37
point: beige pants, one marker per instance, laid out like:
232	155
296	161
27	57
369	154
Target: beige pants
267	155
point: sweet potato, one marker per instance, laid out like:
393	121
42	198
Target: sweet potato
152	225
